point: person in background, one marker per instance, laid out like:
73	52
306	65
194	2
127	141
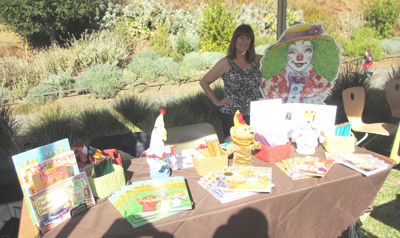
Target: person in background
241	76
369	62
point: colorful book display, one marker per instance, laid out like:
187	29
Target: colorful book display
233	183
147	201
305	167
43	173
366	164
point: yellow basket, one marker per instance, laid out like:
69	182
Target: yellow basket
339	144
207	164
106	185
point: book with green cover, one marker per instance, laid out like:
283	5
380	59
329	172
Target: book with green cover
147	201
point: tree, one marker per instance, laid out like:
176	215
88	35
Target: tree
42	21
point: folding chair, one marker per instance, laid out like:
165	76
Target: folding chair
354	101
392	89
190	136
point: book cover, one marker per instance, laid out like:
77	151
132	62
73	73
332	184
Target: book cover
40	159
248	178
210	181
54	204
146	201
366	164
305	167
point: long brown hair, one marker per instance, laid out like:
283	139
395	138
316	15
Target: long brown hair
241	30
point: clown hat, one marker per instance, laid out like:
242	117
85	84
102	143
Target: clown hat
238	119
302	32
160	119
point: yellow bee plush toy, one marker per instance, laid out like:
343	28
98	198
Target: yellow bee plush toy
242	136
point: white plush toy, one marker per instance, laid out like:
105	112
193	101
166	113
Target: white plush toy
308	135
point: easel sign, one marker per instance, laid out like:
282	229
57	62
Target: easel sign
273	116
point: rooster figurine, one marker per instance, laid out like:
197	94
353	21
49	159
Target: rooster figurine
159	154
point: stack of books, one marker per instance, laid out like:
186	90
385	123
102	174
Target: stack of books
233	183
305	167
146	201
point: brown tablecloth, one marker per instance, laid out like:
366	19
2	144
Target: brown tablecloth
314	207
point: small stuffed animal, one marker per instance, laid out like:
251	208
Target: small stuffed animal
307	136
242	136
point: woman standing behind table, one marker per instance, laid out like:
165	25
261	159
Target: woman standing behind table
241	75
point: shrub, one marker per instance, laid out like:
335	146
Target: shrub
212	57
45	20
160	42
166	66
9	129
215	33
42	93
192	63
55	124
187	41
5	95
359	41
390	46
381	15
17	75
349	21
63	81
104	79
103	47
142	65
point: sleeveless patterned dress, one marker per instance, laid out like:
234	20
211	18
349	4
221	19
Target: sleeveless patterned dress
242	86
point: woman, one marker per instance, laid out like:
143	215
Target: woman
241	75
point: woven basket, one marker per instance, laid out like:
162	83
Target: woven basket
339	144
205	165
275	153
106	185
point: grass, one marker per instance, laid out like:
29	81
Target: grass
384	221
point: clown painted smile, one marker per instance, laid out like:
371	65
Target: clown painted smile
299	55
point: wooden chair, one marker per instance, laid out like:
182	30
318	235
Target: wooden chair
354	101
392	89
190	136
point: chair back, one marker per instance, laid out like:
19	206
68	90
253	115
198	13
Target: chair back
353	102
392	89
190	136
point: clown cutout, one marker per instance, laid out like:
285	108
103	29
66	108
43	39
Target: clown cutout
301	66
159	154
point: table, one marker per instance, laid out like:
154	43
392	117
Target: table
314	207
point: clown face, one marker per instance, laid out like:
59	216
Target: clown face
300	54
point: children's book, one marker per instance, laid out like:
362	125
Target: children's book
210	181
38	160
305	167
146	201
56	203
248	178
366	164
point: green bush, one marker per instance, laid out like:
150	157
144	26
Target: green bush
390	46
381	15
104	79
63	81
43	21
103	47
167	67
5	95
42	93
212	58
186	41
192	64
160	43
216	27
142	65
359	41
